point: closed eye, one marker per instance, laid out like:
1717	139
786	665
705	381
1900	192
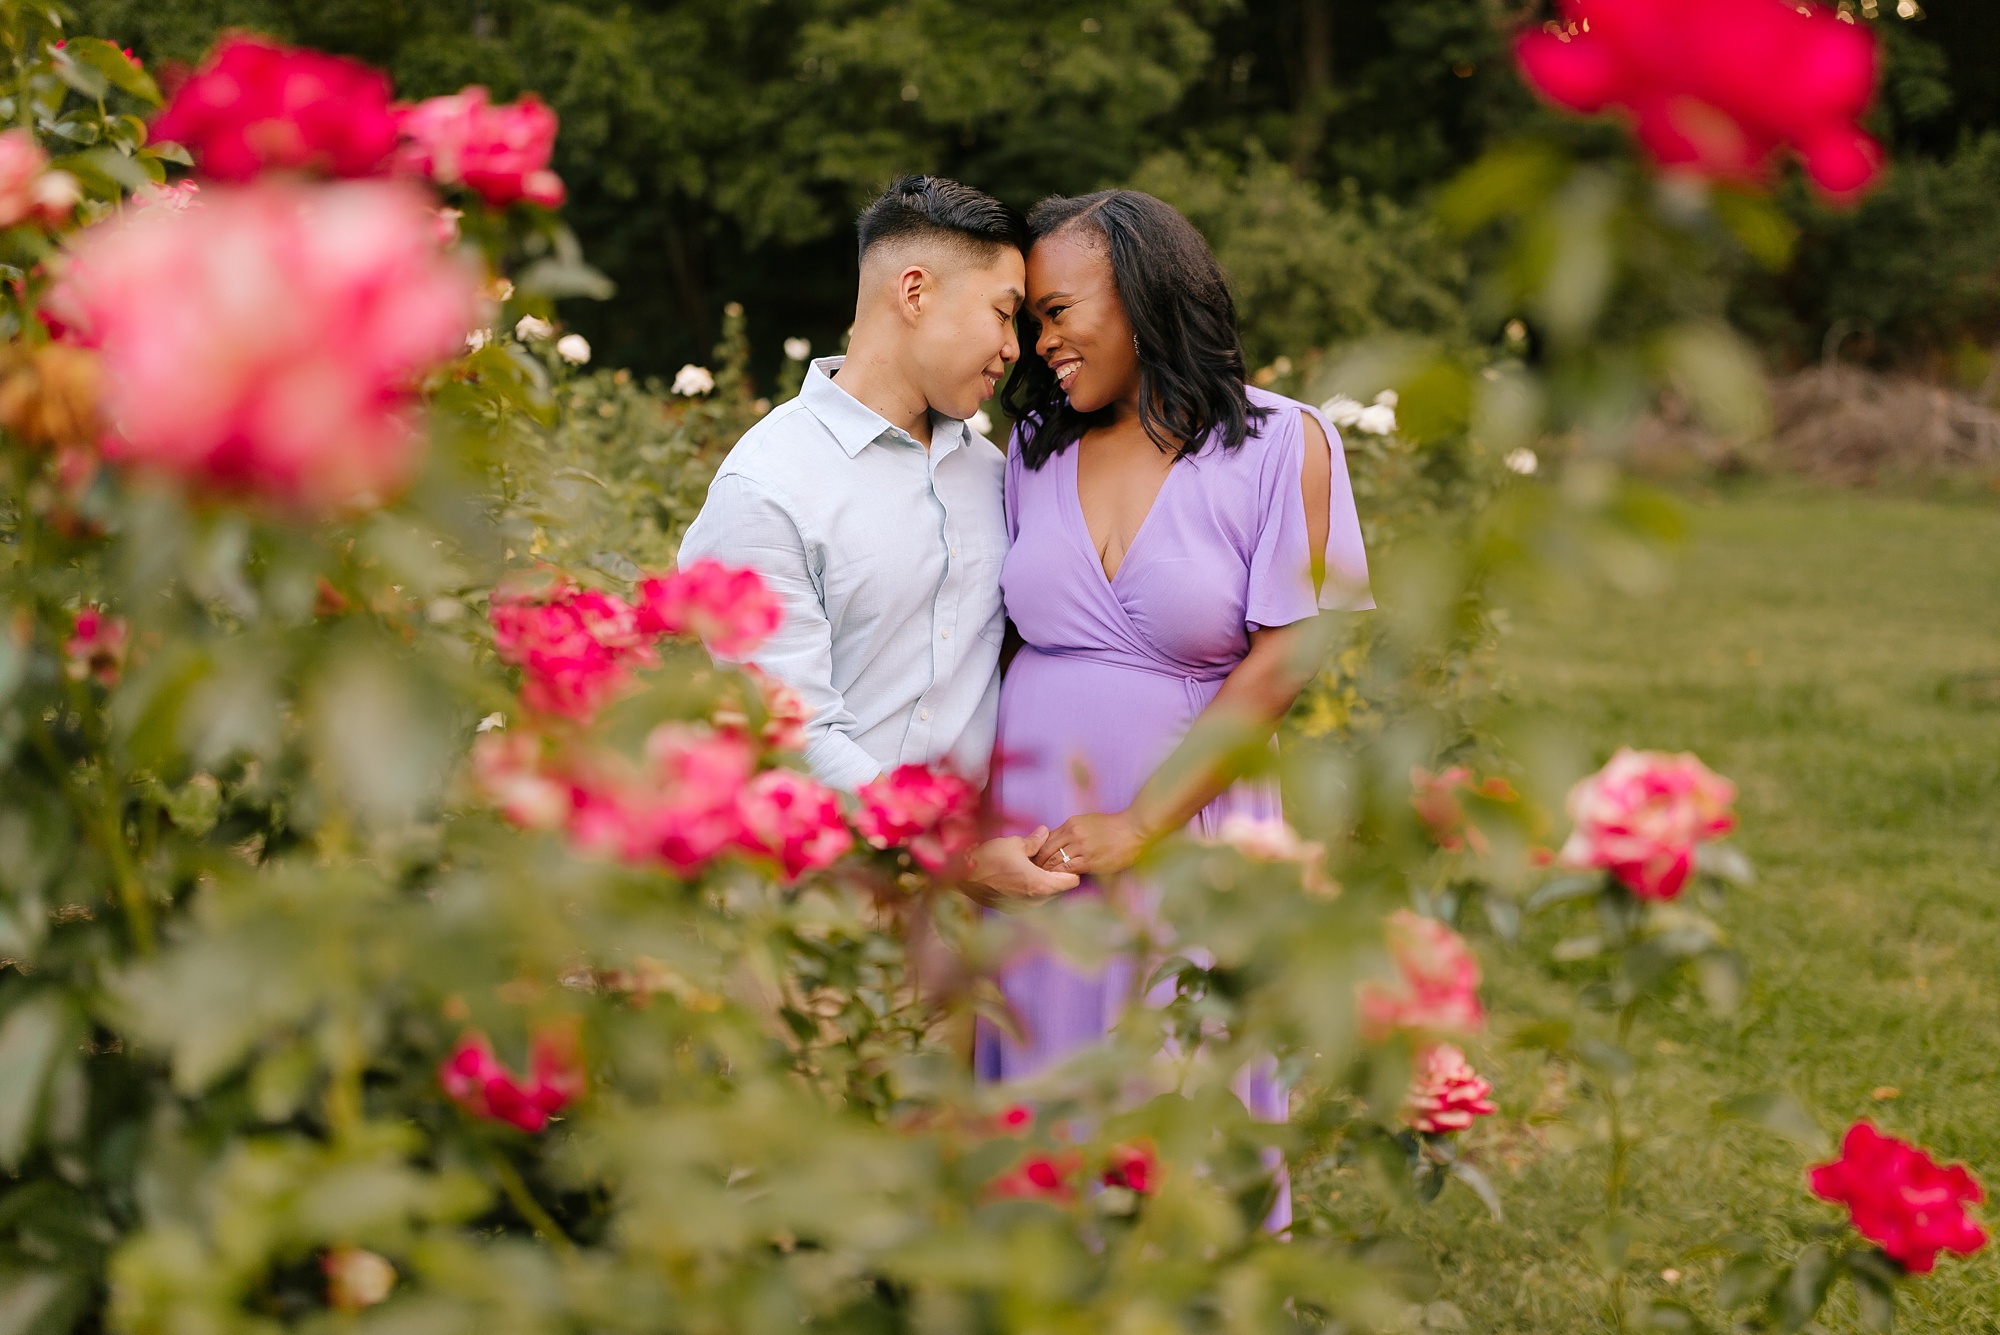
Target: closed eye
1053	312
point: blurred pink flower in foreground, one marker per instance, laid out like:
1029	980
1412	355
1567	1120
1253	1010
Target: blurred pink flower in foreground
271	341
176	198
732	611
1272	840
97	649
508	769
1641	816
1446	1094
679	807
1718	87
477	1081
255	106
785	714
499	152
793	820
577	648
933	813
28	189
1437	986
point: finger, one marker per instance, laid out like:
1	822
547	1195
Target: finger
1032	842
1054	883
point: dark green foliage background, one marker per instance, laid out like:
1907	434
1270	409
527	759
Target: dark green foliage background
716	149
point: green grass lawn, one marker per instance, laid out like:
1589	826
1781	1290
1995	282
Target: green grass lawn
1816	648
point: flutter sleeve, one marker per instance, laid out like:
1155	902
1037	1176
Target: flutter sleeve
1345	588
1281	563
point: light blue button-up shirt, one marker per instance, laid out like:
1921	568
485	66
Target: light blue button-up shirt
887	557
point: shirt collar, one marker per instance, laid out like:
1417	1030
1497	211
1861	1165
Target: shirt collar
856	426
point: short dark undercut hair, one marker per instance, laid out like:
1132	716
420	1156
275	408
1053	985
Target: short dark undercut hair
931	208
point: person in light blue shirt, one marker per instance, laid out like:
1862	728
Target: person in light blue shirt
874	511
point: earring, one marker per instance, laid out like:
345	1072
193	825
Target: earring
1135	345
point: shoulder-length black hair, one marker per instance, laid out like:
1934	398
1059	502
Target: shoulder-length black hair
1178	303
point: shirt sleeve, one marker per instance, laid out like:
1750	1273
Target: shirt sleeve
741	525
1281	587
1345	588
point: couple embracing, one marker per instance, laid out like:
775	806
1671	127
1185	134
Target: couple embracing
1158	532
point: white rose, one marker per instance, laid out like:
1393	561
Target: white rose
533	326
1387	398
477	339
573	348
1341	410
692	380
980	423
1377	419
1522	461
798	349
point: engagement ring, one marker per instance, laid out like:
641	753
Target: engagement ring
1065	855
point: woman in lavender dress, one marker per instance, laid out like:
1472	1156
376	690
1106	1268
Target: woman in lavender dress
1171	529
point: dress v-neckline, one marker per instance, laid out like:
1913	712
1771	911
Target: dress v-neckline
1083	521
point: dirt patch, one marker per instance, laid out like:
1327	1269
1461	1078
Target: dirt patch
1838	424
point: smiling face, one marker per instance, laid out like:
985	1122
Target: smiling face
1085	336
964	331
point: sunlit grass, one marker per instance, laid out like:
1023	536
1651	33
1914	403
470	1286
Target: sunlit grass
1838	655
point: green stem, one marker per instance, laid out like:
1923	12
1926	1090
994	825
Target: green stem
527	1206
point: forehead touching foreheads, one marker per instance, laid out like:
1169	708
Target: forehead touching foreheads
945	226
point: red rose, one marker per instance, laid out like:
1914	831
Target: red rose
256	106
1901	1198
1041	1177
1134	1167
1717	87
480	1083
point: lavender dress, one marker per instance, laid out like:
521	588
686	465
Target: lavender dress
1114	671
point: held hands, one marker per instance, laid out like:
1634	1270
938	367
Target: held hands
1005	869
1097	844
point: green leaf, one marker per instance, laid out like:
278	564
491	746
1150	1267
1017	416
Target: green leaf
1745	1280
1722	974
27	1297
1561	889
1725	862
108	61
1804	1289
1481	1187
1666	1314
166	150
79	75
29	1040
1776	1111
556	277
1875	1279
1759	224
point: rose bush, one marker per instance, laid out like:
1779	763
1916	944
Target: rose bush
355	731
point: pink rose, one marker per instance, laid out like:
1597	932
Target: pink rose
1641	816
785	713
681	809
28	189
577	648
933	813
271	342
793	820
1717	87
256	106
477	1081
499	152
508	768
732	611
1446	1094
97	648
1437	986
1901	1198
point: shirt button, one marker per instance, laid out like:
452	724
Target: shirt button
945	634
924	714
